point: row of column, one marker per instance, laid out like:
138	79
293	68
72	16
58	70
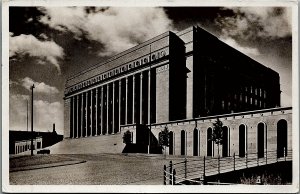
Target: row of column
102	110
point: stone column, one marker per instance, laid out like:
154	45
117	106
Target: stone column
86	111
149	95
113	109
82	109
96	106
91	111
101	110
133	88
120	82
126	101
107	112
73	114
141	98
77	115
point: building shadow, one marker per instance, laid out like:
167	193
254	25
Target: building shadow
143	137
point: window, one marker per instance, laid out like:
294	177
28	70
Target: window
259	103
246	99
250	100
223	104
255	102
255	91
265	94
260	92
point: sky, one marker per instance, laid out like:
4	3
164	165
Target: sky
48	44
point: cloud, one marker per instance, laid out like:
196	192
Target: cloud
244	49
251	22
42	50
45	114
117	29
40	87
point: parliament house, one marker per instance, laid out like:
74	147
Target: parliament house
176	76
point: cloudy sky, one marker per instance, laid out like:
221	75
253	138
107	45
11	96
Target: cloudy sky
47	44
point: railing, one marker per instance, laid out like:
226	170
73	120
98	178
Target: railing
195	170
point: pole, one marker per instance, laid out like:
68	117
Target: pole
27	116
32	120
149	104
27	124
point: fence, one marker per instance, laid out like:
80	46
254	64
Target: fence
189	170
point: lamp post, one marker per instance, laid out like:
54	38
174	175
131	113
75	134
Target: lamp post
32	119
149	103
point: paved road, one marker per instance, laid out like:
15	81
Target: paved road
100	169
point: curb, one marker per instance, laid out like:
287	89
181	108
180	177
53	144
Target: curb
46	166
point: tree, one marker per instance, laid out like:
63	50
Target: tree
217	134
127	139
164	138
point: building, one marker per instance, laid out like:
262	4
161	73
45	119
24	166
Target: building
174	76
261	132
20	141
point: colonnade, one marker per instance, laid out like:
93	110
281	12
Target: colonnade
101	110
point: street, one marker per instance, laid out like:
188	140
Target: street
100	169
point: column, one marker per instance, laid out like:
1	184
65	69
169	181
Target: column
120	82
101	110
86	110
77	115
73	114
126	101
107	103
141	98
113	109
82	109
133	88
96	106
91	111
149	95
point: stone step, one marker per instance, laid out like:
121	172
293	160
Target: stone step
112	143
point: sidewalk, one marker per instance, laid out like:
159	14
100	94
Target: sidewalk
23	163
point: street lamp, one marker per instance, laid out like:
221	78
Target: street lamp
32	119
149	103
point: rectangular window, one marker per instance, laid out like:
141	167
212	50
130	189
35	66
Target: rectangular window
260	104
255	102
250	100
259	92
246	99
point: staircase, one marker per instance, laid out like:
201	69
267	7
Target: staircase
89	145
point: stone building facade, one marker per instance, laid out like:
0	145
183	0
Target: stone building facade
184	75
260	131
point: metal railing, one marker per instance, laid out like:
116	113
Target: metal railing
195	170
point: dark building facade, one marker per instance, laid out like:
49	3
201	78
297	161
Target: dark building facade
173	76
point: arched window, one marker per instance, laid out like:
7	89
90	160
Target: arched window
183	142
209	142
282	137
171	143
261	139
225	145
242	140
196	142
